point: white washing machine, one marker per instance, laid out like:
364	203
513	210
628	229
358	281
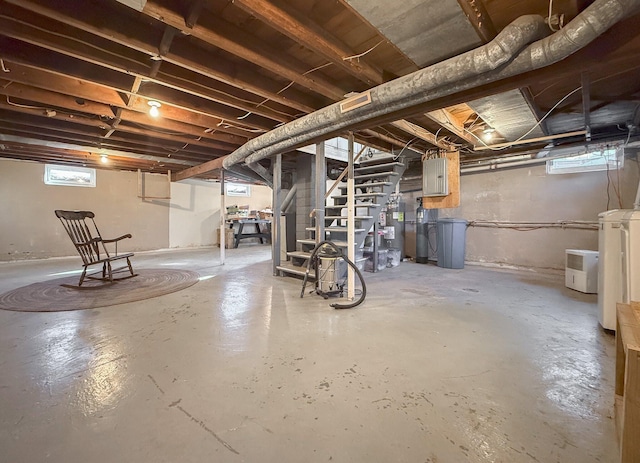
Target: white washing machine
630	250
609	266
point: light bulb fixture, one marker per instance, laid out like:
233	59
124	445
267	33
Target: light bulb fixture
487	133
154	110
104	158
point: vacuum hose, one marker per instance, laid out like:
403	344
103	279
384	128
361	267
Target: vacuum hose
312	258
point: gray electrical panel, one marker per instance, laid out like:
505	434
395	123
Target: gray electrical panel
434	177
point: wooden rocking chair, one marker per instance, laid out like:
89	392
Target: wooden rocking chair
85	236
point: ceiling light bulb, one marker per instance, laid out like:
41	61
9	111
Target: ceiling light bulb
488	133
104	159
154	111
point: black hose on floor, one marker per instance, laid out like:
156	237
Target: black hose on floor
348	261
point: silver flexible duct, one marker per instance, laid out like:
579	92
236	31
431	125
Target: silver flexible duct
505	56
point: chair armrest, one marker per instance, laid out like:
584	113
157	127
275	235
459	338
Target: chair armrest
128	235
84	243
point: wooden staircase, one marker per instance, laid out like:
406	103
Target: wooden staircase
375	180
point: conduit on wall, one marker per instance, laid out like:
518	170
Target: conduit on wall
509	54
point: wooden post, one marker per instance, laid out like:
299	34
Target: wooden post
627	387
629	442
351	223
276	207
223	222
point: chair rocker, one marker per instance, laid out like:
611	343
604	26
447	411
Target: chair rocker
85	236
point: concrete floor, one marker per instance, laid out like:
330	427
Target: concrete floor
473	365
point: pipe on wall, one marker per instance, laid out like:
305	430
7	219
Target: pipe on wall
509	54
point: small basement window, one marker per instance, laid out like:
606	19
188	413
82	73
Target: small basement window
608	158
69	176
237	189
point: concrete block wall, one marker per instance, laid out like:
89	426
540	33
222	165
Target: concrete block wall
305	196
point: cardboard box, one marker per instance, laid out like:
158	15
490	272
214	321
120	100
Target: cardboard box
228	238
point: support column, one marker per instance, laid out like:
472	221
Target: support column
276	207
351	223
223	222
321	189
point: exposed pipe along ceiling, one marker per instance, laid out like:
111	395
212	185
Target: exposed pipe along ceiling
509	54
257	94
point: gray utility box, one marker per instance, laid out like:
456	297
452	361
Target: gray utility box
451	242
435	177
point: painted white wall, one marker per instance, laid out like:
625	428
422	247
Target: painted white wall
195	211
194	215
30	230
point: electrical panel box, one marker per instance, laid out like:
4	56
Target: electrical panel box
435	177
581	272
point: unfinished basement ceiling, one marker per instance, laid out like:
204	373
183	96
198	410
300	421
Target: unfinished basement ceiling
77	77
510	114
425	31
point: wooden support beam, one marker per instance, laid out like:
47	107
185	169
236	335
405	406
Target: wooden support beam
114	124
131	97
163	49
447	121
217	32
193	13
479	19
423	134
76	105
304	31
207	167
178	121
86	65
392	141
531	140
79	16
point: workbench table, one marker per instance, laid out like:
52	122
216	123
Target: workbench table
261	230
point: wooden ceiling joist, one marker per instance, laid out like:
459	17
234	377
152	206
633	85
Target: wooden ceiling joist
304	31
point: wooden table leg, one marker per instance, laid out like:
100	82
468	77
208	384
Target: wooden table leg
240	227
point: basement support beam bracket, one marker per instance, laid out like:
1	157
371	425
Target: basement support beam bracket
191	18
163	49
131	97
115	123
